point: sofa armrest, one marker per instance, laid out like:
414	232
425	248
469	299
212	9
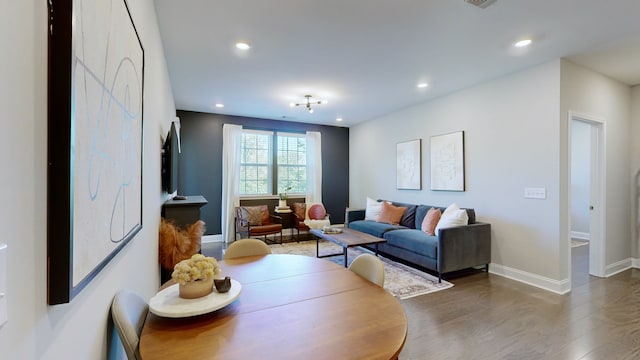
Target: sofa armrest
352	214
464	246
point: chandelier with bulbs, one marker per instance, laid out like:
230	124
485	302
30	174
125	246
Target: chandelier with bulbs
308	103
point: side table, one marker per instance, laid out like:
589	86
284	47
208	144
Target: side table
287	219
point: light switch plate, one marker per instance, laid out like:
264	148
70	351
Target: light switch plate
535	193
3	284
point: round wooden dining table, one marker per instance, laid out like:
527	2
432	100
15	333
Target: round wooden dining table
290	307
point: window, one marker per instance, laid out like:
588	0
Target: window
292	163
255	163
267	156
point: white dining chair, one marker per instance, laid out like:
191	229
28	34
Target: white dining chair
369	267
129	312
246	247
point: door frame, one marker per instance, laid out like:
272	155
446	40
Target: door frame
597	224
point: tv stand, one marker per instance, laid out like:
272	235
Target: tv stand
183	212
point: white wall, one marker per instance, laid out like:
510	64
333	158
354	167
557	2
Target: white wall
77	330
596	95
516	136
580	178
512	141
635	169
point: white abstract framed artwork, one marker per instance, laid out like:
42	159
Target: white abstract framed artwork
95	89
447	162
409	165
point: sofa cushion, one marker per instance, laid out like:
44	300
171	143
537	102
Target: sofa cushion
413	240
372	212
409	216
253	214
421	212
391	214
430	221
451	217
472	215
373	227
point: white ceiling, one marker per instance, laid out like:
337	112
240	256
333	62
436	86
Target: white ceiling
366	56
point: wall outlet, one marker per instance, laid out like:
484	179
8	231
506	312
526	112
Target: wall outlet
535	193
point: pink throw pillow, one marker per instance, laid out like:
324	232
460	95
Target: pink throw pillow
430	221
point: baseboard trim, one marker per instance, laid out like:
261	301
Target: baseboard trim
212	238
580	235
558	287
619	267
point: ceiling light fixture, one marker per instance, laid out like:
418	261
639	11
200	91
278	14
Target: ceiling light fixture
219	105
243	46
423	85
308	103
523	43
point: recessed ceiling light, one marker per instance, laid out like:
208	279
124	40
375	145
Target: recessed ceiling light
243	46
523	43
339	119
219	105
423	85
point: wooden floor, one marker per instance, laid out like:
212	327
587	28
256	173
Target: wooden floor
487	316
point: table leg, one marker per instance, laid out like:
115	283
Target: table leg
317	246
345	255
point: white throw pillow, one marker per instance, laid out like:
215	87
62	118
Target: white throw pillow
451	217
372	212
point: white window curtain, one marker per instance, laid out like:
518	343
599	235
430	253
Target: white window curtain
231	152
314	168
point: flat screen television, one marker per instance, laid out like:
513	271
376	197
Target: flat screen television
170	155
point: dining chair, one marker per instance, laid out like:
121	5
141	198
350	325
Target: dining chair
129	312
369	267
246	247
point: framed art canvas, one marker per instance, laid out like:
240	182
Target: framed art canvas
447	162
409	165
95	91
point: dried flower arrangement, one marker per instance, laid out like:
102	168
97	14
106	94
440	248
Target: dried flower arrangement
198	267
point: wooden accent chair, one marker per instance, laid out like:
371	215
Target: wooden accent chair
256	221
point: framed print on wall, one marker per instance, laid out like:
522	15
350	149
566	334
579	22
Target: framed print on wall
409	165
447	162
95	118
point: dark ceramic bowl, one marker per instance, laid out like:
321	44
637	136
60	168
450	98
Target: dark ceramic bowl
222	285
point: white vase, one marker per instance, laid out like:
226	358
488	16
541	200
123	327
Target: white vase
195	289
282	203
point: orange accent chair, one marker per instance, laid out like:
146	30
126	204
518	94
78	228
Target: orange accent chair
299	214
314	217
256	221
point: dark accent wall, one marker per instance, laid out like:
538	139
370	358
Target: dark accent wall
200	163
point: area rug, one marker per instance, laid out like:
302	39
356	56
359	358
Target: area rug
400	280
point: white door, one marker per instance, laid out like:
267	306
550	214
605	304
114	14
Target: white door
596	192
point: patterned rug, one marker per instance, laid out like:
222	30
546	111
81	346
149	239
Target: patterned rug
401	281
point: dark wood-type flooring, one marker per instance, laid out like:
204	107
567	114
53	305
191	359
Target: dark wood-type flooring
487	316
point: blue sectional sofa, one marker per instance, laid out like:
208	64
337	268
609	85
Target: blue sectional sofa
451	249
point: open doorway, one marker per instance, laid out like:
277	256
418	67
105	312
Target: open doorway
586	197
